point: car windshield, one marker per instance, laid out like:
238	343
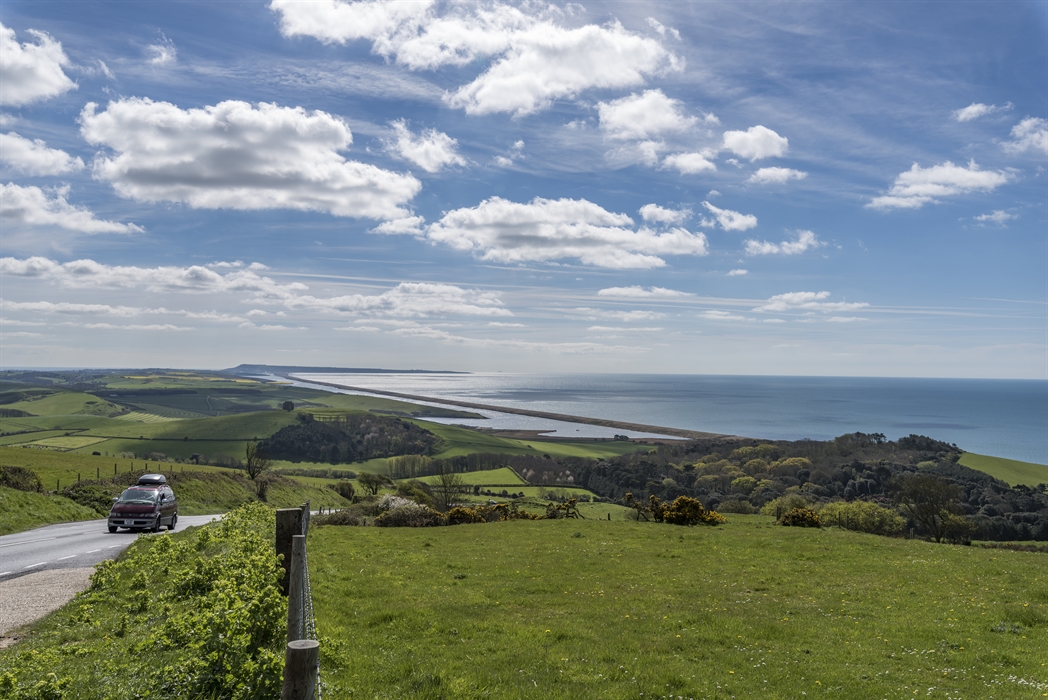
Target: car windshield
138	496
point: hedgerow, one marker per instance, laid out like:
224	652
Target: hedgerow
197	614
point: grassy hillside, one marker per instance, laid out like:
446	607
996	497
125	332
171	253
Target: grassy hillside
462	441
21	510
1010	471
569	609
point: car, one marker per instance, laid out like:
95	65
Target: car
148	505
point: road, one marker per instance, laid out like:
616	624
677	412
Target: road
70	545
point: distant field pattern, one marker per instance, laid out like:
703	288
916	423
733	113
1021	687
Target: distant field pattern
71	442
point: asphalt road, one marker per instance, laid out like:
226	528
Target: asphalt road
70	545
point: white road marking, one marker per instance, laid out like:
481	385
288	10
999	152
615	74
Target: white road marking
92	551
41	539
69	557
33	566
5	573
110	547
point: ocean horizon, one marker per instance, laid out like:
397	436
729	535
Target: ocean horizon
1000	417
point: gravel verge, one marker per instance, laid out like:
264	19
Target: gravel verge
28	598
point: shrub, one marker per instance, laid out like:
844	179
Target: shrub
800	517
460	515
347	516
390	502
863	516
737	506
686	510
412	515
94	496
21	479
776	507
344	488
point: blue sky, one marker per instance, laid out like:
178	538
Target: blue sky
723	188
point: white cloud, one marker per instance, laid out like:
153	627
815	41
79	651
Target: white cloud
976	110
234	155
777	176
49	307
625	316
807	301
31	72
689	163
756	143
32	207
638	292
662	215
998	216
919	186
502	324
534	60
624	329
34	157
806	240
731	220
738	273
546	230
163	52
409	225
431	150
427	332
845	319
644	116
407	299
1031	134
722	316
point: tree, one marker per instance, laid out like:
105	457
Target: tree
288	406
929	500
372	482
449	483
256	460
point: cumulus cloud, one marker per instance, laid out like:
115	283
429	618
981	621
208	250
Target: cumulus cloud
33	207
738	273
919	186
31	71
776	176
234	155
638	292
431	150
805	240
534	60
163	52
807	301
662	215
756	143
1031	134
690	163
545	230
998	216
976	110
648	115
407	299
731	220
34	157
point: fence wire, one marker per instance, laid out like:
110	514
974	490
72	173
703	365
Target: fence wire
311	621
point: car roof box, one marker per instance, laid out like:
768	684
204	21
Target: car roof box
152	480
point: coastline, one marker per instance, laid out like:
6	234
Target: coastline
618	425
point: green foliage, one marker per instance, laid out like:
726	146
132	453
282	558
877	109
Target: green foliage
192	615
22	510
778	506
345	489
95	496
413	515
20	479
349	438
800	517
863	516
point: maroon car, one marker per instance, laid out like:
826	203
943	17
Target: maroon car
149	505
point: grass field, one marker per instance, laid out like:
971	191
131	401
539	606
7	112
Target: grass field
21	510
462	441
598	609
67	442
503	476
1010	471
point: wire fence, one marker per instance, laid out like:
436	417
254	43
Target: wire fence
311	623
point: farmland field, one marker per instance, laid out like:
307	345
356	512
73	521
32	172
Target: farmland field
1008	470
600	609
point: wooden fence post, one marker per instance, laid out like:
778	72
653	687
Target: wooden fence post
300	670
289	524
305	518
296	601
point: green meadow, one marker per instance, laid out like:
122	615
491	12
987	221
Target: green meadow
598	609
1010	471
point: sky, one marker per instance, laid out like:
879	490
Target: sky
840	188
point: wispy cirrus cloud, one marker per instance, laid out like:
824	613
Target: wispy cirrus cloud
976	110
638	292
804	241
731	220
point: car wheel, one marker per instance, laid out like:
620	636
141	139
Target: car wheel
171	525
112	528
156	525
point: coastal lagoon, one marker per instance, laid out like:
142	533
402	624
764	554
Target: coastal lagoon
1004	418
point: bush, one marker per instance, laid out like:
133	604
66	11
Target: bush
863	516
776	507
412	515
460	515
348	516
99	498
737	506
800	517
20	479
344	488
686	510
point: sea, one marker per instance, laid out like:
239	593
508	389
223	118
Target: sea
1003	418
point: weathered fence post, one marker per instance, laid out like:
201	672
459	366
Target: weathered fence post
305	518
296	602
289	524
300	670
